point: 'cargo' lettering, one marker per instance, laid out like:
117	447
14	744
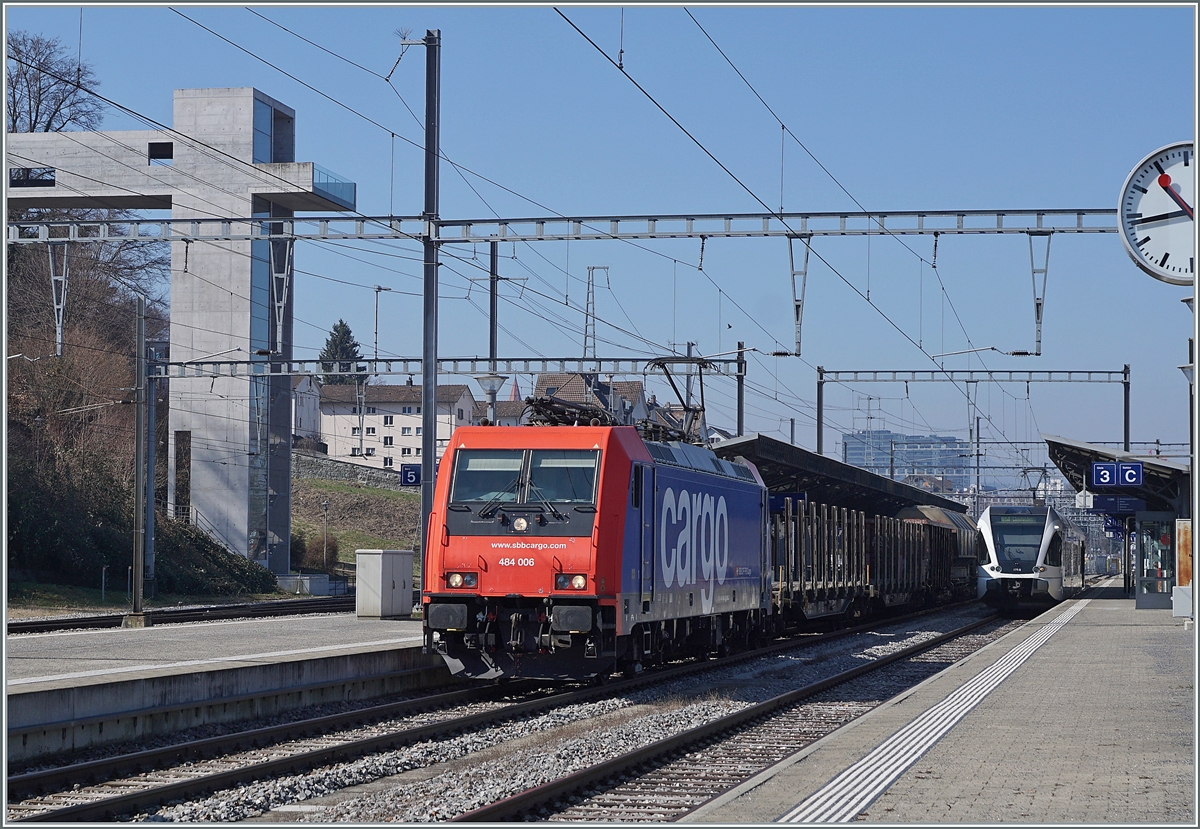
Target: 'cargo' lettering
700	526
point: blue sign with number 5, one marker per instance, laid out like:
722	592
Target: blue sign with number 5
410	474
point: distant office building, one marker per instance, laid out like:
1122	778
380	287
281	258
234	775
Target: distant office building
921	457
231	154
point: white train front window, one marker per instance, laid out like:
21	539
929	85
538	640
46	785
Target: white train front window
1018	538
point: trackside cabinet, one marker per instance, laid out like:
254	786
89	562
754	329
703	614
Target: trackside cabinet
384	584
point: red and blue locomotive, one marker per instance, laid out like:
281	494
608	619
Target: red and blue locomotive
567	552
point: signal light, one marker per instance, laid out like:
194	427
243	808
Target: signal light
568	581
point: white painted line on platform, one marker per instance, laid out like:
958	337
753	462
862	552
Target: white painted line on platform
845	796
193	662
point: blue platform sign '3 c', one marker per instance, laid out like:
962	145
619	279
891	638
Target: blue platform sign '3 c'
1104	474
1129	474
1117	474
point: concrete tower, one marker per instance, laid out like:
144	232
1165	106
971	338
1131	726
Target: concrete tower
231	154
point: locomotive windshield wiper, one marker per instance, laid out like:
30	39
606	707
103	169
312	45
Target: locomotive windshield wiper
536	490
493	504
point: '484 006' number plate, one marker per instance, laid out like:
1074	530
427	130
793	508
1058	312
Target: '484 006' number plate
516	562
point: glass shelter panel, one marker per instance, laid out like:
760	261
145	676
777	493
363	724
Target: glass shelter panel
1156	559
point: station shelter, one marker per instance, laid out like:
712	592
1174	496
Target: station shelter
792	471
1149	503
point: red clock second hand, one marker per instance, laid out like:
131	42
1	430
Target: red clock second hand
1164	181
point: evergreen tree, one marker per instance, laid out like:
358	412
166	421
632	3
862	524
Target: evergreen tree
340	347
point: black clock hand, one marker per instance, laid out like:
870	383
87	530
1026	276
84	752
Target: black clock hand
1160	217
1164	181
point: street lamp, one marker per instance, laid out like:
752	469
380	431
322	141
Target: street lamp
491	383
325	549
378	288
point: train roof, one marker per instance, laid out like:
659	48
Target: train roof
688	456
788	468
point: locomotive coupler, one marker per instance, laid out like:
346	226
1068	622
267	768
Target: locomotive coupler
516	638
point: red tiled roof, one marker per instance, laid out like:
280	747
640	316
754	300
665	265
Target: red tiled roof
573	387
504	409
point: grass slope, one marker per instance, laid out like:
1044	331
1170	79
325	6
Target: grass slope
360	517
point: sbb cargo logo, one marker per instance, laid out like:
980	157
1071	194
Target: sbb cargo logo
695	527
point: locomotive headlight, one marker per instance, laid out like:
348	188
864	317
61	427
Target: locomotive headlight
455	580
520	524
578	582
462	579
567	581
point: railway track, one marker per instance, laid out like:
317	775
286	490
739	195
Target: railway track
134	783
113	786
668	778
281	607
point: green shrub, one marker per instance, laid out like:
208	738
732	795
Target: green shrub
188	562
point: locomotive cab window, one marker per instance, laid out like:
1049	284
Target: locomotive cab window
486	474
563	475
1054	552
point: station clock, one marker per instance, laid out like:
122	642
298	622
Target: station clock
1158	227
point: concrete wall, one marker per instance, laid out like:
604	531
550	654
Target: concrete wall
66	719
308	465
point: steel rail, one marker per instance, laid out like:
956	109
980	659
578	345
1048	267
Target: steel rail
106	808
511	807
51	780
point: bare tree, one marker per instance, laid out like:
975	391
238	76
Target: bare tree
70	442
46	87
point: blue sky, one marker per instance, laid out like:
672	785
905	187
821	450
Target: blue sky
908	108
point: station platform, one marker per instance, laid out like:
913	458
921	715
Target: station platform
71	689
73	658
1085	715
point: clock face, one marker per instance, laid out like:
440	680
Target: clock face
1158	226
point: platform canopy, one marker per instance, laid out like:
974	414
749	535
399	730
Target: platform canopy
789	469
1165	484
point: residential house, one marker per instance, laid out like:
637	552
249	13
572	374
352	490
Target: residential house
508	412
387	431
626	399
306	408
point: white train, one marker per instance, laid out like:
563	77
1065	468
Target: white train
1031	556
